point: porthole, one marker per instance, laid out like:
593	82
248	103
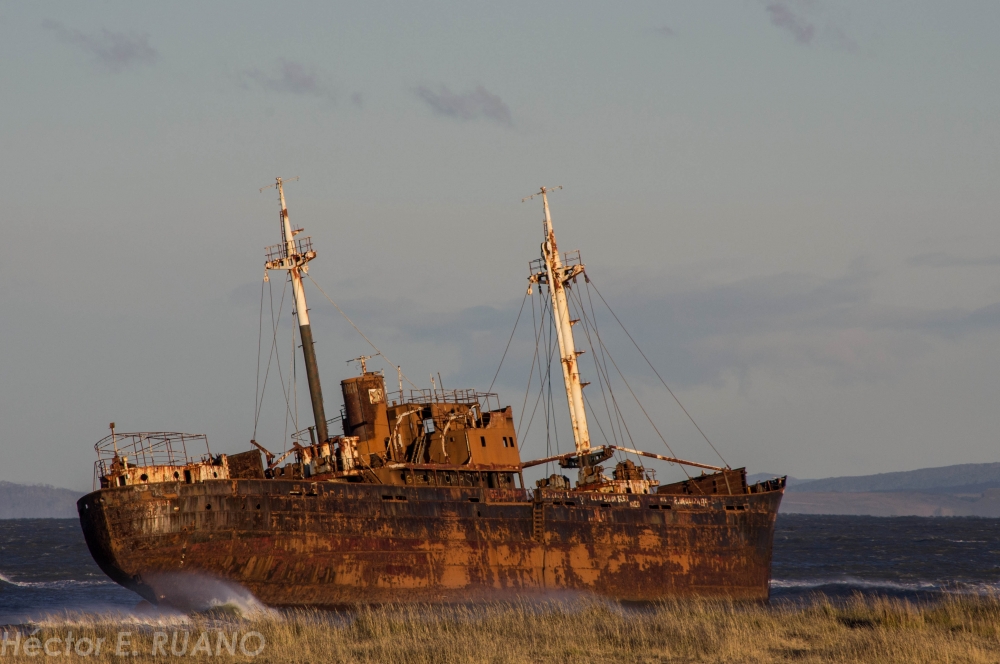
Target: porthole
208	507
176	475
144	477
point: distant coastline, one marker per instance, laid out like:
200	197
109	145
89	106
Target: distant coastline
36	501
971	489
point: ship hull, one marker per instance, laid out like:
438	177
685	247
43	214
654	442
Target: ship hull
301	543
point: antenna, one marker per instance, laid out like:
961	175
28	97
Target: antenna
277	182
363	359
543	190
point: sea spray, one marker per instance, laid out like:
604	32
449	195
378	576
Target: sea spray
199	592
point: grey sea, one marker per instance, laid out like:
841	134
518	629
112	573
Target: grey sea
45	567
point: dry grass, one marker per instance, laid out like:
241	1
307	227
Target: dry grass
955	629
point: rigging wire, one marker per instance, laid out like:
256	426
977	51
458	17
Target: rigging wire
358	330
602	363
639	403
537	325
550	414
541	376
260	336
290	383
588	322
601	379
508	341
620	417
272	354
277	356
597	421
294	378
538	400
658	375
531	374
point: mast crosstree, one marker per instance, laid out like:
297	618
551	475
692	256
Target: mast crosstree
294	255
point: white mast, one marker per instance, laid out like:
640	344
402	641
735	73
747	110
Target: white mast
301	310
556	275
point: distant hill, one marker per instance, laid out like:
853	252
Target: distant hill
971	489
966	478
893	503
36	501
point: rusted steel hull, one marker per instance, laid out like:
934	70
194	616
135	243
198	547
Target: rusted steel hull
295	543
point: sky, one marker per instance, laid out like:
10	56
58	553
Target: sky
791	205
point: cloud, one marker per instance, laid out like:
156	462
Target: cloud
808	22
291	78
114	51
783	17
664	31
480	103
699	334
789	323
942	259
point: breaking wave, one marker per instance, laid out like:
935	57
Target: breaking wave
874	585
197	592
57	585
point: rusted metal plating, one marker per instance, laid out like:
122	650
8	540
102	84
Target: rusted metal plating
334	543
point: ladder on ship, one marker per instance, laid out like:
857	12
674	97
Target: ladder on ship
538	521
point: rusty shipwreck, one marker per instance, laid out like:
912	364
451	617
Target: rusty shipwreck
421	497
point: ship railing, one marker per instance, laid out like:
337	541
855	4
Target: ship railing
276	252
149	448
153	448
569	259
487	401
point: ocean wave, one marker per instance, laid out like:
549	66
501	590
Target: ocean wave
145	617
57	585
959	587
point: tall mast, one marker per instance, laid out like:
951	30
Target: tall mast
294	256
556	276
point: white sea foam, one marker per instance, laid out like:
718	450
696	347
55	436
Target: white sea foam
58	584
144	617
888	584
192	591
